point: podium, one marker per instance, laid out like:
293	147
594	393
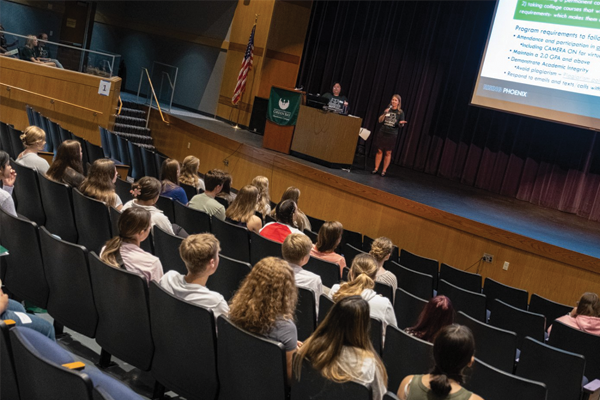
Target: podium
326	136
283	108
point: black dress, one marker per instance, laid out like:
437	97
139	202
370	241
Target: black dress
388	133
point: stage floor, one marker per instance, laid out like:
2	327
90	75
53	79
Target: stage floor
550	226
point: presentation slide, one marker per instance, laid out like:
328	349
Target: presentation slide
542	59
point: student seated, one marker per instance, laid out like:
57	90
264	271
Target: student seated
328	239
169	176
28	52
34	141
381	250
67	167
242	211
226	192
10	309
278	231
200	253
264	200
189	173
296	251
213	182
266	302
124	251
8	177
300	219
341	350
453	351
361	281
586	316
100	183
437	314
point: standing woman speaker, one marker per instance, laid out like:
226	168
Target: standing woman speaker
392	119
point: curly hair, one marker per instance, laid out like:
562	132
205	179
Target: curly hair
381	248
362	276
264	203
189	171
268	293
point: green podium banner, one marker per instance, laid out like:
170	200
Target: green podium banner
283	106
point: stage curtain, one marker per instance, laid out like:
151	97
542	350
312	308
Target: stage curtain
429	52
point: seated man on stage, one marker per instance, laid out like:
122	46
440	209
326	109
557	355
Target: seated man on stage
337	103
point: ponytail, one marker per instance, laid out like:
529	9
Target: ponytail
354	288
111	255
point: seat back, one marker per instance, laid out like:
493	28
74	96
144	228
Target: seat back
166	248
328	271
385	290
550	309
352	238
15	141
57	199
560	370
464	280
193	221
376	334
350	252
185	340
405	355
235	240
25	276
471	303
260	361
315	223
9	389
135	155
123	154
261	247
149	163
123	189
494	346
27	192
104	142
70	299
189	190
312	385
508	294
573	340
5	140
306	313
228	277
113	145
93	152
159	158
54	132
167	206
65	134
92	219
407	308
40	377
325	304
420	264
414	282
494	384
121	299
523	323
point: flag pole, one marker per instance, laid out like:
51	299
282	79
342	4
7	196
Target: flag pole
236	126
261	61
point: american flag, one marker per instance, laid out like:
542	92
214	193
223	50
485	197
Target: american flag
240	87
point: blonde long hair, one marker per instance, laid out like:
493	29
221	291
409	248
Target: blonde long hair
99	182
268	293
346	325
189	171
264	202
244	205
362	276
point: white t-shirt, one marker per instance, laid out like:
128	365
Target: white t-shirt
308	280
6	201
156	215
200	295
380	307
362	370
34	161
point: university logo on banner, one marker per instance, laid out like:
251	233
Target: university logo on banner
283	106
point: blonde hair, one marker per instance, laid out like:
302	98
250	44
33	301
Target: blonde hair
381	248
244	205
264	202
295	247
196	251
32	135
189	171
30	40
268	293
99	182
362	276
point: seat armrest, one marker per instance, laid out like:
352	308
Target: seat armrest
9	322
591	391
77	365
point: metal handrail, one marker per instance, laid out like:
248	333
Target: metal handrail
155	98
52	99
120	106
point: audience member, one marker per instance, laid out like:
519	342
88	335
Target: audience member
34	141
278	231
300	220
586	316
264	202
437	314
4	45
381	250
341	350
28	52
361	281
296	251
169	175
226	192
123	251
453	351
200	253
8	176
265	304
205	202
189	173
10	309
42	52
100	183
67	167
329	238
242	211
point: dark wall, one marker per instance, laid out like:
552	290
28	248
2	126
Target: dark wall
29	20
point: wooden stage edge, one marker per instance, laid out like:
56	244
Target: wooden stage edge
182	138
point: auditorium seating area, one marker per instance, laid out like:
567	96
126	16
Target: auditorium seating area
177	343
